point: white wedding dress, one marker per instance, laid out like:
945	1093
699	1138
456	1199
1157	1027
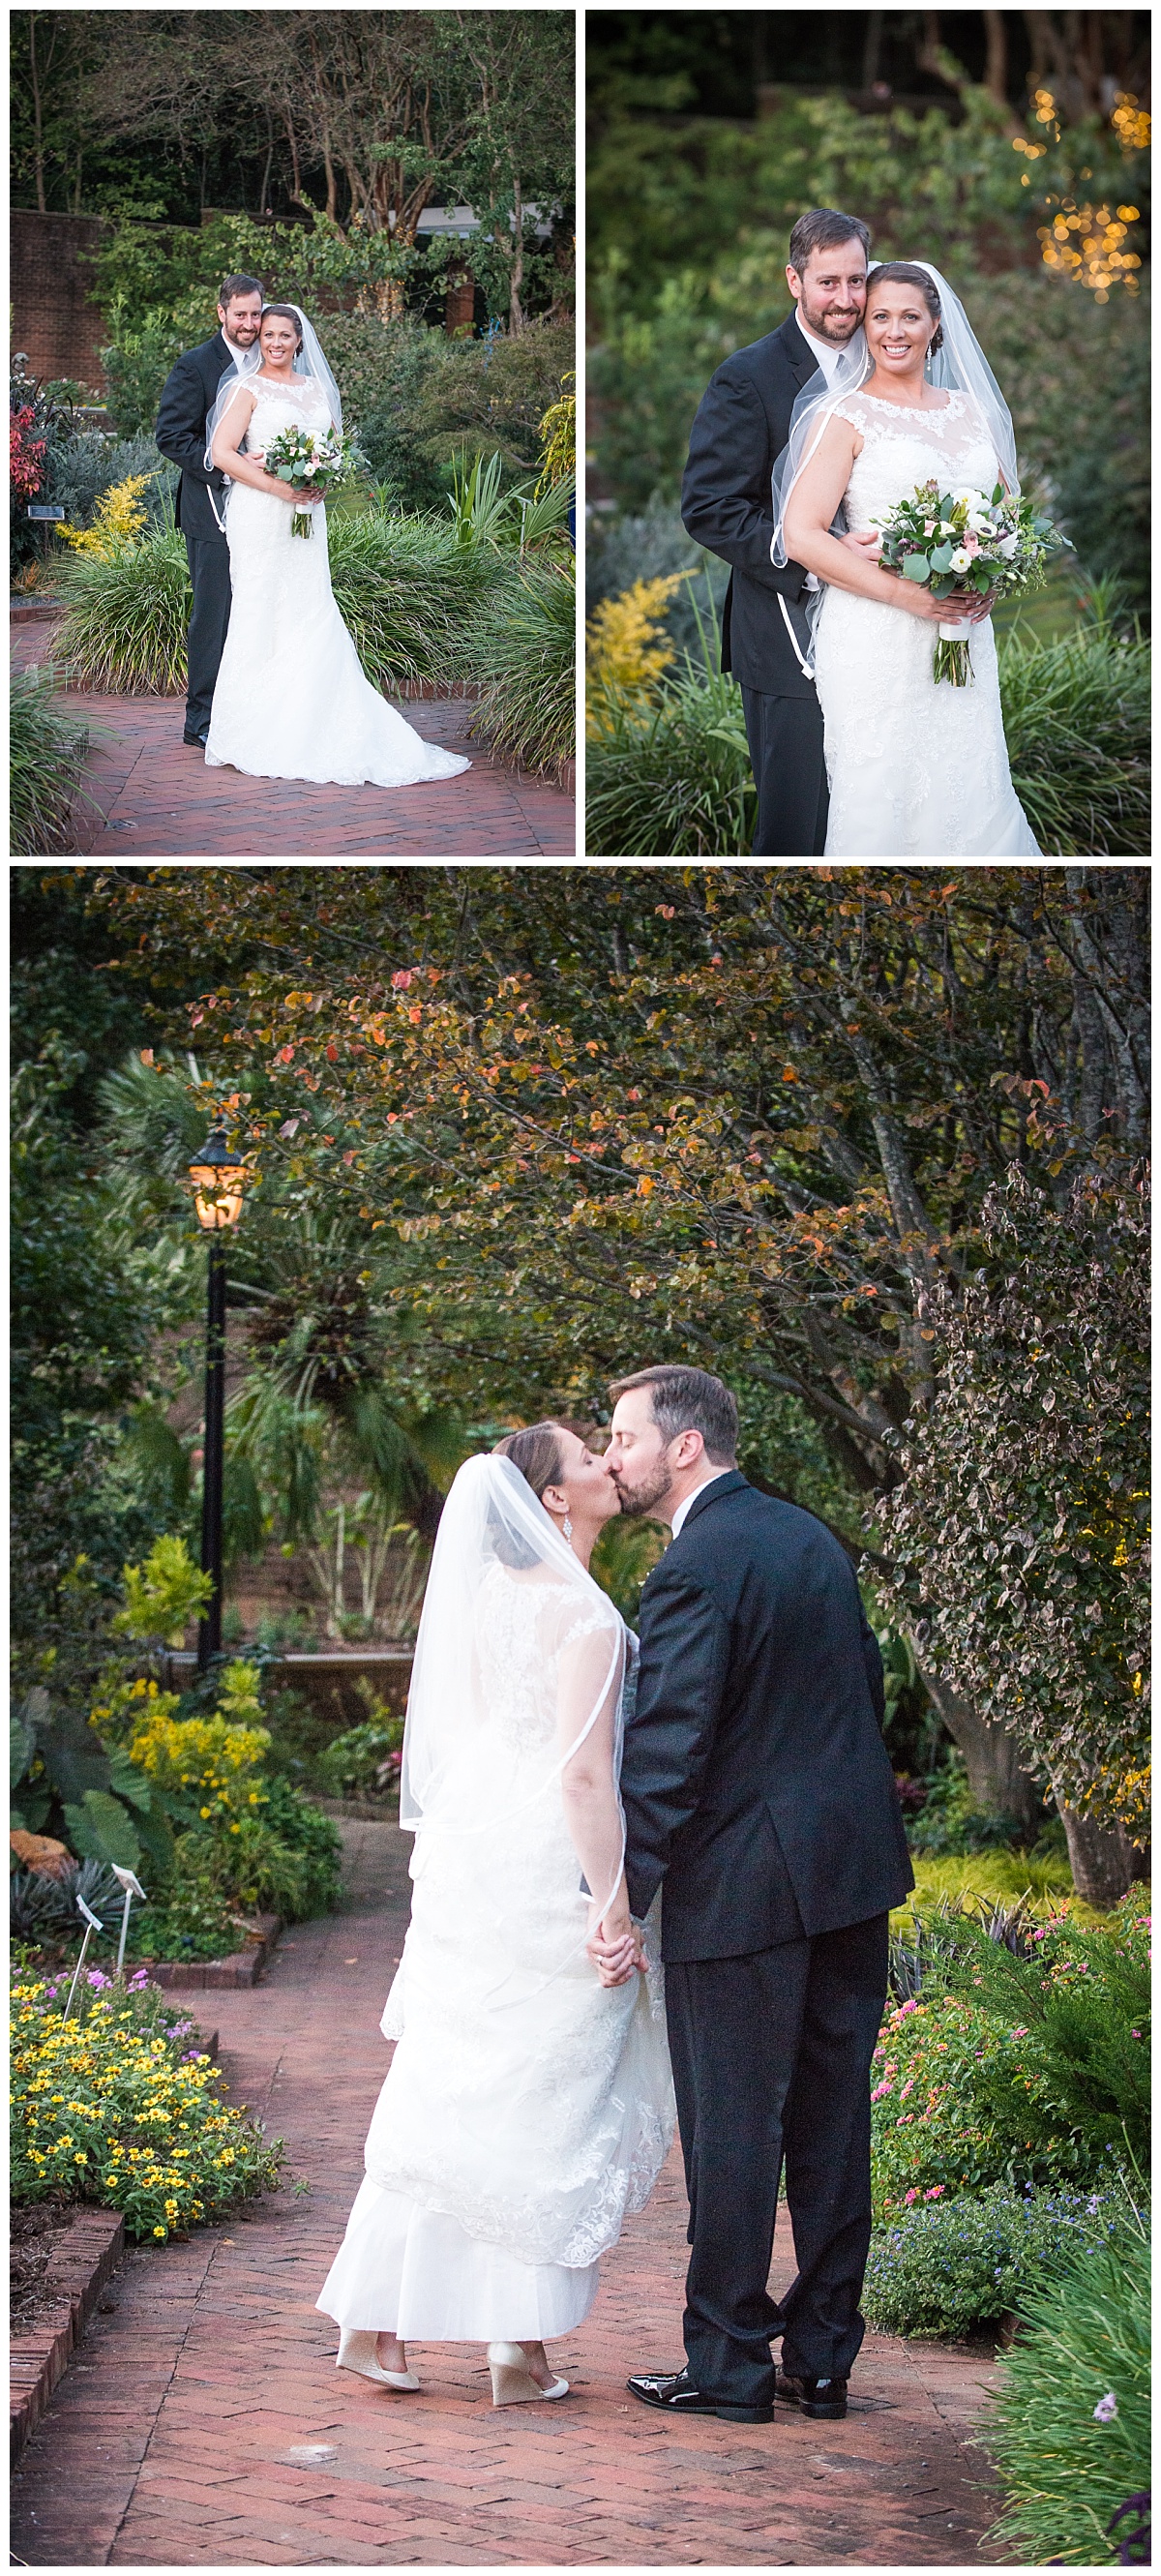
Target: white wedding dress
292	699
528	2108
916	770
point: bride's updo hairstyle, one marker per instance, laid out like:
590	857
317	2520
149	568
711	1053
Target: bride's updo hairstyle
282	313
901	272
536	1453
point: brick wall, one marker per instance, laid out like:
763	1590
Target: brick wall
53	317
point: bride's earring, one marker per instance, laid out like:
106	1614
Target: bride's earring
566	1525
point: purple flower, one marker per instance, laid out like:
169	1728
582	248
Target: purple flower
1105	2408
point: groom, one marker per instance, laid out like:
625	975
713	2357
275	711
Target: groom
741	427
757	1790
188	399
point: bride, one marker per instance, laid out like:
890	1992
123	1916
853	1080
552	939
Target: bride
529	2103
292	699
916	769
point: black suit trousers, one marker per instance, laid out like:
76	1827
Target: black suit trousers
785	739
209	571
771	2063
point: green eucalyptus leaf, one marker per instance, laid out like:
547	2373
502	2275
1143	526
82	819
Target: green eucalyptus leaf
916	567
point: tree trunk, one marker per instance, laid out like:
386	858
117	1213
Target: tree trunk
1101	1860
997	1779
996	75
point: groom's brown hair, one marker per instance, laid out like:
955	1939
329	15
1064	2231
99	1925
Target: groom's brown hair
689	1399
823	229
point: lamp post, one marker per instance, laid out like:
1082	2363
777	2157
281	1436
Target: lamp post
218	1178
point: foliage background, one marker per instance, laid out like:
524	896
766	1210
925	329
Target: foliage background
962	153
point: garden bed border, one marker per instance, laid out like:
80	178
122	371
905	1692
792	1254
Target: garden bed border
241	1968
40	2358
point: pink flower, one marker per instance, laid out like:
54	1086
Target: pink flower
971	543
880	2089
935	2193
909	2196
904	2009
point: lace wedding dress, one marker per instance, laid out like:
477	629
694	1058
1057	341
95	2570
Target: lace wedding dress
527	2108
292	699
915	770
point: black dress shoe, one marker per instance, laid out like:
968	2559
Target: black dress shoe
674	2392
200	739
825	2399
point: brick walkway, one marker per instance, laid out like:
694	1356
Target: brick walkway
155	797
184	2431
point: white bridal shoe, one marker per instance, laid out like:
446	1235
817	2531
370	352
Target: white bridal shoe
359	2352
512	2381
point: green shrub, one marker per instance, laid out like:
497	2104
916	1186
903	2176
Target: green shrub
1076	720
522	646
675	782
128	612
47	755
107	2107
364	1762
1030	2070
407	592
949	2265
949	1821
136	364
81	468
622	551
1068	2428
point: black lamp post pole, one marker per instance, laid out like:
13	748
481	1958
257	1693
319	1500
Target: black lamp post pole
210	1625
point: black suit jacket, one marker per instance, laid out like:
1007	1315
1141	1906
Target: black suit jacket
186	403
755	1779
741	428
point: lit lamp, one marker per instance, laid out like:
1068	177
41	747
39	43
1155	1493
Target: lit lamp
218	1182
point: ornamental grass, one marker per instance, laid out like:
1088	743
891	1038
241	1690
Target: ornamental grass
128	612
1076	720
521	646
407	591
107	2107
1068	2426
47	753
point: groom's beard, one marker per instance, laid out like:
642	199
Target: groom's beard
823	326
638	1500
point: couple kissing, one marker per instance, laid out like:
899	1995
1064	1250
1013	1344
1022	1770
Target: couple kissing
649	1875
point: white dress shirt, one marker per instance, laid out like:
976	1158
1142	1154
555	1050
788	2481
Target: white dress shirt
690	1499
823	354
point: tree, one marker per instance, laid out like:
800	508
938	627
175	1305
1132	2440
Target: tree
1019	1541
745	1117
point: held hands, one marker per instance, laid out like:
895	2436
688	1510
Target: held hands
615	1945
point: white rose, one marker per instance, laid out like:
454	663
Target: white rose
961	560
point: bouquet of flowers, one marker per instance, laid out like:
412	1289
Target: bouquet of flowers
963	541
304	457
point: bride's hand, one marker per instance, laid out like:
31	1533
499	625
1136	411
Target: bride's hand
614	1944
867	546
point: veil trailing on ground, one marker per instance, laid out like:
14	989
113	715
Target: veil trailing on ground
519	1663
959	367
309	361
